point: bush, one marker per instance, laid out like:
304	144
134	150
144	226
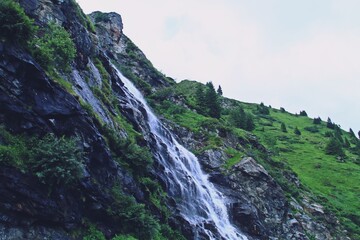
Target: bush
54	49
56	161
131	216
123	237
94	234
13	150
15	25
297	131
334	148
312	129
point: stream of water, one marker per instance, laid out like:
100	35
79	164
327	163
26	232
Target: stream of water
199	202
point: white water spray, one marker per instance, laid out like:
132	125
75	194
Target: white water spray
198	200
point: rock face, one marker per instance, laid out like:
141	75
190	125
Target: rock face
32	103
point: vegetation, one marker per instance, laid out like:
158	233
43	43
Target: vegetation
297	145
55	161
54	48
15	25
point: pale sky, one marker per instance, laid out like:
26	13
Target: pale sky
300	55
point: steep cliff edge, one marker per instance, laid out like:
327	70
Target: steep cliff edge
120	189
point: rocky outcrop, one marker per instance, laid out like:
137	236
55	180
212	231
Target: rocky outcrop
33	104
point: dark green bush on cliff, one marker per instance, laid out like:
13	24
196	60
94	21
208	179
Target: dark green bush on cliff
56	160
15	25
54	49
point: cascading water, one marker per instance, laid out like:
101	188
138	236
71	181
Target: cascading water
198	200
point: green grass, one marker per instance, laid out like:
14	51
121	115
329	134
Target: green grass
335	182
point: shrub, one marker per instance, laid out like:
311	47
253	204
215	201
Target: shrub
131	216
13	150
55	48
15	25
297	131
334	148
94	234
56	160
123	237
262	109
283	128
312	129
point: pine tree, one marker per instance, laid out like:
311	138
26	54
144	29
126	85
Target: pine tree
330	124
303	113
200	100
219	91
346	143
317	120
283	127
212	101
334	148
352	134
250	125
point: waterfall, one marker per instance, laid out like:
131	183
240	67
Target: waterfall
198	200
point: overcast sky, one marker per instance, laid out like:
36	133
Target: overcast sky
300	55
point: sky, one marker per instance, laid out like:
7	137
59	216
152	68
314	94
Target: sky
299	55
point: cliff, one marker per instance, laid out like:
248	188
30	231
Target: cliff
81	158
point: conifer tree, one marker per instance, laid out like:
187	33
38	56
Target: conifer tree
330	124
352	134
303	113
346	143
219	91
283	127
317	120
211	101
200	100
334	148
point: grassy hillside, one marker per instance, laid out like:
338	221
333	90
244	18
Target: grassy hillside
294	143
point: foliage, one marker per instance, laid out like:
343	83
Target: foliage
312	129
297	131
101	17
13	149
283	128
128	152
54	48
282	110
132	217
123	237
330	124
94	234
334	148
240	119
56	160
262	109
15	25
303	113
219	91
317	120
212	101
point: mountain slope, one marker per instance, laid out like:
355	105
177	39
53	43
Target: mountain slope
78	159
